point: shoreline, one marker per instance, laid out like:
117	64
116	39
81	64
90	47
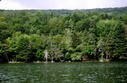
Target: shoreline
123	60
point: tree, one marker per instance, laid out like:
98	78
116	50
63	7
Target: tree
4	32
1	52
65	34
40	54
55	48
111	38
88	44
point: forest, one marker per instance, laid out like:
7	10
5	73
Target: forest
66	35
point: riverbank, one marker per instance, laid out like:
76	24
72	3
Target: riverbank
120	60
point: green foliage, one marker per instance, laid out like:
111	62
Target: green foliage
22	45
55	48
40	54
4	32
124	18
76	56
1	51
111	38
66	35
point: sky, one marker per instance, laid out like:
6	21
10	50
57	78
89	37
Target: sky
60	4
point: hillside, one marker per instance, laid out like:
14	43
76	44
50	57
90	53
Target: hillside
65	35
105	10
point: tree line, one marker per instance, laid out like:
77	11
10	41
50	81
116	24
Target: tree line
77	36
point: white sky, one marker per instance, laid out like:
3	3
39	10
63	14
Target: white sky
61	4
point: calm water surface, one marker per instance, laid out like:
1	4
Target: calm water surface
114	72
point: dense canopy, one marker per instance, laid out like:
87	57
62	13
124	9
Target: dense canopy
75	36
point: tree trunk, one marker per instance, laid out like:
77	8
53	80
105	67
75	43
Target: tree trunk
46	55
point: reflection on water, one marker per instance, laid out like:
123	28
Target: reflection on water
115	72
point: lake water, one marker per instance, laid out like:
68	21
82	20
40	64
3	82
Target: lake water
86	72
